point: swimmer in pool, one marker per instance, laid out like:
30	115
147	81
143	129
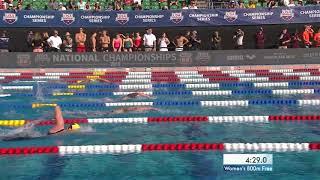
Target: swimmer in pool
26	132
139	109
136	95
59	126
93	80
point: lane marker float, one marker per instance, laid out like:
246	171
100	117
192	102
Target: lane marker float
174	147
174	119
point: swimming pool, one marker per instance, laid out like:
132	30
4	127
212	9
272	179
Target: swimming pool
235	106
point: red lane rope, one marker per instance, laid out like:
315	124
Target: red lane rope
294	118
182	147
179	119
29	150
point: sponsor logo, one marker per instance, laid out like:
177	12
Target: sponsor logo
287	14
176	17
280	56
203	58
240	57
10	18
67	18
230	16
38	18
312	55
23	60
250	56
185	58
42	59
122	18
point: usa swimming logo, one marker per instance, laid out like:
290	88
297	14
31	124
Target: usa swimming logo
230	16
68	18
176	17
122	18
287	14
10	18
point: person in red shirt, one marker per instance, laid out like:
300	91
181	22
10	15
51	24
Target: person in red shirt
137	42
317	39
260	39
307	36
295	40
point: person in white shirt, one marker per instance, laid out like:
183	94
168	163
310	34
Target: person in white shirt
149	41
193	5
291	4
184	5
55	42
61	7
238	37
81	5
285	2
137	1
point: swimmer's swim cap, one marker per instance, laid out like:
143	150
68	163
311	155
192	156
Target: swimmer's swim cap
74	126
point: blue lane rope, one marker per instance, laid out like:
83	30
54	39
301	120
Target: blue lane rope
180	85
158	93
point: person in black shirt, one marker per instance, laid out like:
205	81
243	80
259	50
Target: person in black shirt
45	37
29	40
187	46
194	41
4	42
284	39
216	41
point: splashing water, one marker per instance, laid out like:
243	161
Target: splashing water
87	129
25	132
1	90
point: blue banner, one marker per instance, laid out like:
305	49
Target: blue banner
207	17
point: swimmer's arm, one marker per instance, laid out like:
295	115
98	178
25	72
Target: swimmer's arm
83	81
59	117
145	95
154	109
104	80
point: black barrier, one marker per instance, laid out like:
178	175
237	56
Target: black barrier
160	59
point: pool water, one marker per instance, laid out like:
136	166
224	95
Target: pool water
160	165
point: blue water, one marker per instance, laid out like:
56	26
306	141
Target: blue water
160	165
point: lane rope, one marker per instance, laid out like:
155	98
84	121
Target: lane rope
279	102
174	119
174	147
172	85
182	92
